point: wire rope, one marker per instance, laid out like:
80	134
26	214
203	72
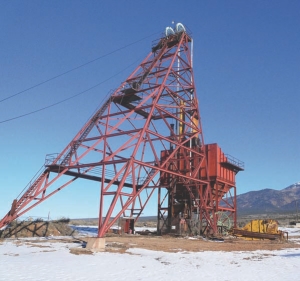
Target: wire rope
75	68
69	98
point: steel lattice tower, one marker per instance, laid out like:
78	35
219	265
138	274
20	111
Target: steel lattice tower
146	137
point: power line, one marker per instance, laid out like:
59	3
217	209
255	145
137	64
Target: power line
69	98
75	68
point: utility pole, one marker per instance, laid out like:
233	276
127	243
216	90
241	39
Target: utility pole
296	211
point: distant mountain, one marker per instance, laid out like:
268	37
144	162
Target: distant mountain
269	200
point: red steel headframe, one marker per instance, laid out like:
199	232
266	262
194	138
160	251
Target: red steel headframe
155	109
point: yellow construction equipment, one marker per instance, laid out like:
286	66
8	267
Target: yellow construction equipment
260	229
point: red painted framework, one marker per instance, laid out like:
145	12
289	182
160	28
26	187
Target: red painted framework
120	146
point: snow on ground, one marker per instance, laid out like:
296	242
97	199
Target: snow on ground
25	259
291	231
293	234
54	262
87	230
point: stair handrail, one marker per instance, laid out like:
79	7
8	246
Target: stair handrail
32	181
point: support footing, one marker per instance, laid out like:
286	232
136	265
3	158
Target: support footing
95	244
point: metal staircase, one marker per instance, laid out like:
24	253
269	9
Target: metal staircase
86	131
28	193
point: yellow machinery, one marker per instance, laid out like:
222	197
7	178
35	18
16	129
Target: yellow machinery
261	229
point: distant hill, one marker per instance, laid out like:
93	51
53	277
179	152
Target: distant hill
269	200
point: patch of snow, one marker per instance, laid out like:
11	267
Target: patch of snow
86	230
291	231
145	228
92	230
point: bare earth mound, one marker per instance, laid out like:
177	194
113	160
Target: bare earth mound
37	229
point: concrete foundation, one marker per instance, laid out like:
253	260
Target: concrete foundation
95	244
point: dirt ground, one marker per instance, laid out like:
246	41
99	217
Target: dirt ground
117	243
174	244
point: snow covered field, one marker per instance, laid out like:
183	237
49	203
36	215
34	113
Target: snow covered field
25	259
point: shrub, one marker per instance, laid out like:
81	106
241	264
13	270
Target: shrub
63	220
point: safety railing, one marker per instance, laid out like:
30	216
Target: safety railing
234	161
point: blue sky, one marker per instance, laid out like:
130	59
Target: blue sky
246	65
